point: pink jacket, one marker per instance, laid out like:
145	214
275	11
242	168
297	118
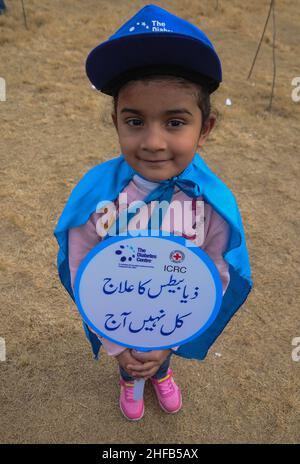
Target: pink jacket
214	241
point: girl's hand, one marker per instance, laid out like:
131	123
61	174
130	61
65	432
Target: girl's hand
128	362
151	362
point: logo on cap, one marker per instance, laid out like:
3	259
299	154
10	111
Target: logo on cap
155	26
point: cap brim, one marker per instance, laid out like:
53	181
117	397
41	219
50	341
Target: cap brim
111	59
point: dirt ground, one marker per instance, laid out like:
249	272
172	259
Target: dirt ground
54	128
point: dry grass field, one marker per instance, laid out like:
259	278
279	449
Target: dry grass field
54	128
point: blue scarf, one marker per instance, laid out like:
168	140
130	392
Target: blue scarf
106	181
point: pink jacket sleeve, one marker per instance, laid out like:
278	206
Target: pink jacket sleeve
215	245
81	240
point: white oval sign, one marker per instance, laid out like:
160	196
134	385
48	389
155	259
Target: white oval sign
148	293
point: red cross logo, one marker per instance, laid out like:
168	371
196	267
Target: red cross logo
177	256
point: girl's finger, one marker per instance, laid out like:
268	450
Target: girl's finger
142	368
138	356
145	374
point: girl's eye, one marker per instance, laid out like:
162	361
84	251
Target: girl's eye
176	123
135	122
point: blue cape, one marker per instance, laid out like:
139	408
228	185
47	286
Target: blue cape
106	181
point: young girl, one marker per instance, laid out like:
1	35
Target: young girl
161	71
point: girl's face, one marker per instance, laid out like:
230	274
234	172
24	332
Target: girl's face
159	125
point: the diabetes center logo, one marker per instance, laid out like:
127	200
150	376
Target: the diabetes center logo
131	257
177	256
155	26
126	253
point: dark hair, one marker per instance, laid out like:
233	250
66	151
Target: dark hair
202	93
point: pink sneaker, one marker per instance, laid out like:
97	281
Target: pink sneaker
168	393
132	409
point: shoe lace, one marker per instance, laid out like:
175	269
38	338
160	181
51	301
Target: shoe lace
129	389
165	385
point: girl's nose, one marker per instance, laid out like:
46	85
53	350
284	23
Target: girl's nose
153	140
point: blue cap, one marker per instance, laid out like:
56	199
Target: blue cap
154	40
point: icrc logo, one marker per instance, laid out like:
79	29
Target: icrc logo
177	256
